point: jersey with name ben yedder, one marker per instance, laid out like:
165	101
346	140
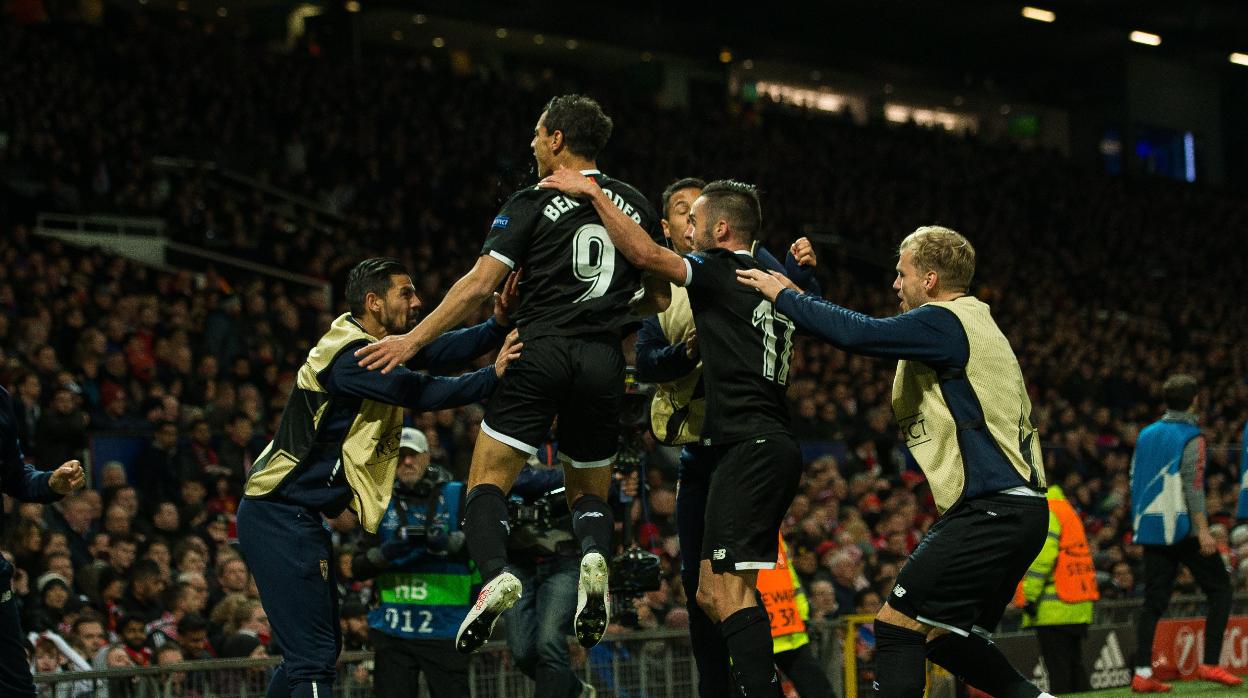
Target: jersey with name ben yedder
746	347
575	282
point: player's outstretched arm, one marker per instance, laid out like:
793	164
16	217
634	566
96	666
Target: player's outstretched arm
460	302
629	237
928	334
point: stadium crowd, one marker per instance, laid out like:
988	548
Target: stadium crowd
1103	285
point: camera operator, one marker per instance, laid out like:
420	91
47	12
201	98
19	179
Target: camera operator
424	583
545	556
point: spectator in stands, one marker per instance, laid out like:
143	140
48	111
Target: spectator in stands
239	448
72	517
147	583
1122	583
159	467
89	636
193	637
61	434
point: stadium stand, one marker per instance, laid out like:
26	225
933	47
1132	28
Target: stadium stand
1104	285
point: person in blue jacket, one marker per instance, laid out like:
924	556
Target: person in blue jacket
425	581
22	482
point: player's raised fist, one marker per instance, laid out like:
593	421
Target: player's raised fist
67	478
804	252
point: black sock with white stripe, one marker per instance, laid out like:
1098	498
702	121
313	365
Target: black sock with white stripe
486	527
977	661
593	524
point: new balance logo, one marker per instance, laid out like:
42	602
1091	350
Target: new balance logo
1110	668
899	591
719	554
591	515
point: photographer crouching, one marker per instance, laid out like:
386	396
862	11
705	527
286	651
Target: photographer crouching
424	582
545	555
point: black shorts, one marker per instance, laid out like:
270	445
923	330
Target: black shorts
753	484
578	380
965	570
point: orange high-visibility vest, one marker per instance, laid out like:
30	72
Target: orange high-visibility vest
1074	576
779	594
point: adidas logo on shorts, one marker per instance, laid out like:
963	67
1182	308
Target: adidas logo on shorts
1110	668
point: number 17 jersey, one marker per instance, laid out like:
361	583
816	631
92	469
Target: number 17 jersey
575	283
746	346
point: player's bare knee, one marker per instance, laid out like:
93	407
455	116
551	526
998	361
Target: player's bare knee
890	615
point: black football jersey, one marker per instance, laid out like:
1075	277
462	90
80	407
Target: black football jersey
574	282
746	347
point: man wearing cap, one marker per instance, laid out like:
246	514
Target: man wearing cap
425	582
337	447
22	482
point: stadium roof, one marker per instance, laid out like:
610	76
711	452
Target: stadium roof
969	44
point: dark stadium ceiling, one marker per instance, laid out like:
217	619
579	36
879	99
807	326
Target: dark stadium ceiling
960	44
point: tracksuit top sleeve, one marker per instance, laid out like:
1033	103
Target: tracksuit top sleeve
458	346
17	479
1192	473
408	388
928	334
659	361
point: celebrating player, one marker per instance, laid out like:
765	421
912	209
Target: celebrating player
959	398
746	346
338	446
577	292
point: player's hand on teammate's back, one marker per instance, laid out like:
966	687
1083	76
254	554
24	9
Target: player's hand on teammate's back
803	252
389	352
691	344
67	478
505	303
509	353
570	182
768	284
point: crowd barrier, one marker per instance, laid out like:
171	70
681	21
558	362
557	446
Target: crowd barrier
659	664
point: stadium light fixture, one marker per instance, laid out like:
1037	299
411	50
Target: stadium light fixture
1142	37
1039	15
1239	58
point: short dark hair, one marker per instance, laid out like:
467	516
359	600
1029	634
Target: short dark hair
682	183
1179	391
370	276
192	622
585	127
144	569
737	203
